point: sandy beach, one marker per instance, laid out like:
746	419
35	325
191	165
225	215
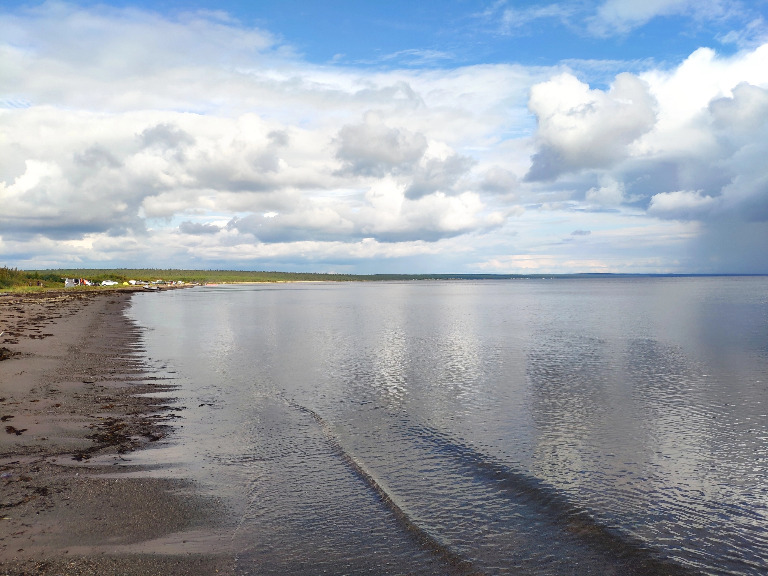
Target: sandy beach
71	372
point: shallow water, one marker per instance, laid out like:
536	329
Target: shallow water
589	426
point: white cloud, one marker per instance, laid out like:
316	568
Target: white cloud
374	149
713	117
609	18
129	137
621	16
516	20
438	175
610	193
748	36
583	128
414	57
684	93
148	126
682	204
499	180
313	252
698	159
197	228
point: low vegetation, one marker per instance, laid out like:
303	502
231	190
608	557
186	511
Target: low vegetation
199	276
14	279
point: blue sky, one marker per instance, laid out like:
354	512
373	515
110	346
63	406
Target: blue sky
449	33
453	136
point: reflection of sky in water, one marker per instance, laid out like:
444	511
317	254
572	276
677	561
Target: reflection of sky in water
643	400
652	410
389	367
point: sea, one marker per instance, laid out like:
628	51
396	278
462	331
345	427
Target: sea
565	426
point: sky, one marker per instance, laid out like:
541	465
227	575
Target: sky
451	136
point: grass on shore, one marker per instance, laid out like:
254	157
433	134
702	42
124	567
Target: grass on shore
21	281
30	281
12	279
232	276
199	276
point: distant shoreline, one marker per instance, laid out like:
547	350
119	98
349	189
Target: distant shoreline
32	281
230	276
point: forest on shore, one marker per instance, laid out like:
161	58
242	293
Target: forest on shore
15	279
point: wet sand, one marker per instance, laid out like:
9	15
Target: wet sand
71	502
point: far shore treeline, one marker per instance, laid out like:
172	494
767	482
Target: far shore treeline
15	279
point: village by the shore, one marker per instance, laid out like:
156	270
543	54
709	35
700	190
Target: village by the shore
75	282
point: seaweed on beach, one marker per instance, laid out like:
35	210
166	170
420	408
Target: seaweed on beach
124	435
7	354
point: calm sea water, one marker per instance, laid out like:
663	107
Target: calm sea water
590	426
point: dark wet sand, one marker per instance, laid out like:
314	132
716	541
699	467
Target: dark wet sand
70	502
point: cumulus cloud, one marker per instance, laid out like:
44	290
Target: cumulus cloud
499	180
724	127
374	149
115	58
96	157
198	228
699	124
64	194
682	204
434	217
309	222
609	193
691	151
582	128
130	137
165	137
740	119
149	126
438	175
